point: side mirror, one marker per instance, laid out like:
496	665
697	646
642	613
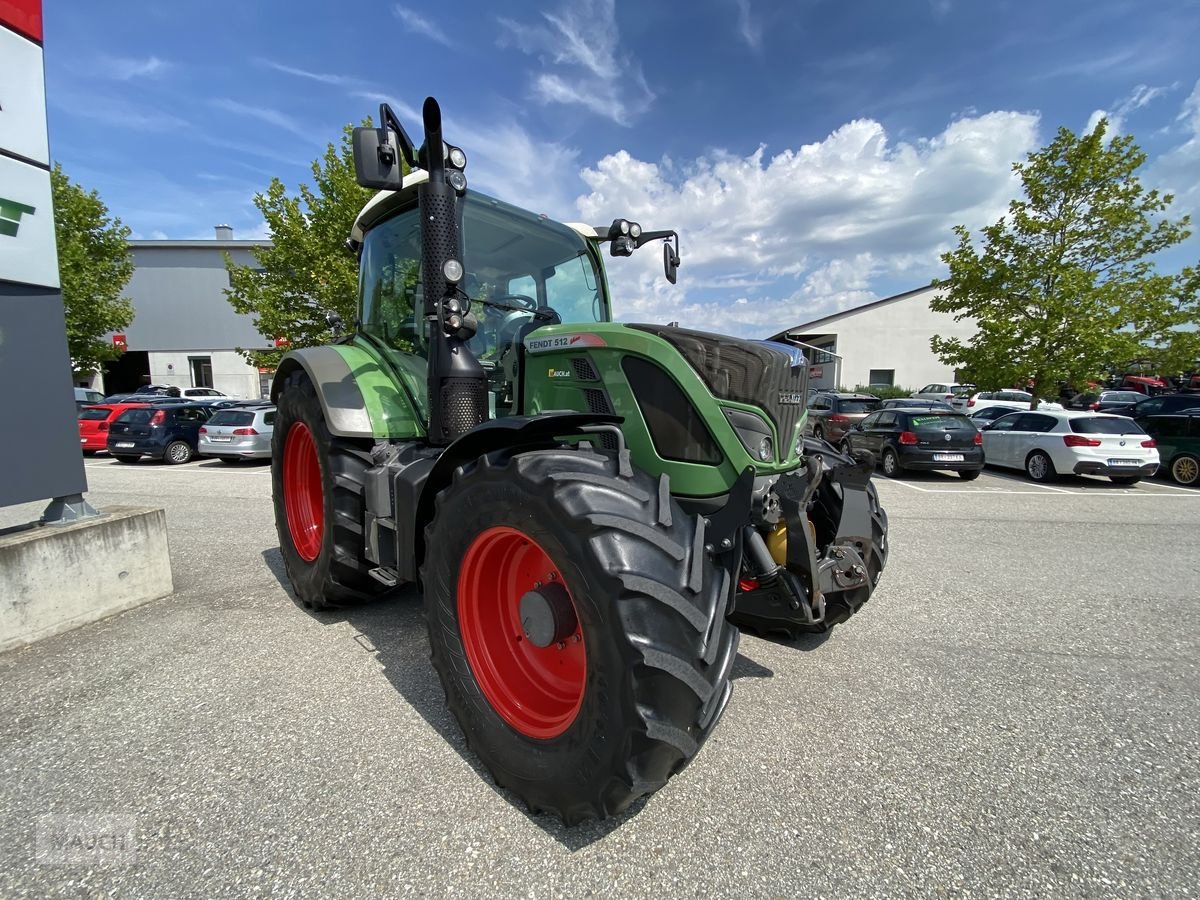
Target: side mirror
377	161
670	263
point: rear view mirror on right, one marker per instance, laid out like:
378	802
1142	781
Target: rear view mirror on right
377	159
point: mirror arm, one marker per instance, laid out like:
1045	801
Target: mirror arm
387	119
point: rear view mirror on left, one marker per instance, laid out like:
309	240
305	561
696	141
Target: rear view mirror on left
377	159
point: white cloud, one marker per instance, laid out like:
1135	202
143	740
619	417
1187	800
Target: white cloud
263	114
323	77
1140	96
126	69
807	230
748	27
1178	170
578	47
418	24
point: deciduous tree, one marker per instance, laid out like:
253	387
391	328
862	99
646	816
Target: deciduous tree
1065	284
94	265
307	272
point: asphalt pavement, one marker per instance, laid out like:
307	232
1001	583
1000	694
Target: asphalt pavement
1013	714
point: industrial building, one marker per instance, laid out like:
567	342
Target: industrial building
885	342
184	332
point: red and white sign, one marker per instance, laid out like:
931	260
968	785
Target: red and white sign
24	16
816	371
120	343
281	342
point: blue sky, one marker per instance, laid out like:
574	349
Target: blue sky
813	154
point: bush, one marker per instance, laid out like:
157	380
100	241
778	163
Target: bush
883	393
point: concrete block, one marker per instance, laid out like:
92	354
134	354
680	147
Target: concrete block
53	579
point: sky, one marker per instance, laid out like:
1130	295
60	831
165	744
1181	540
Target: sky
813	155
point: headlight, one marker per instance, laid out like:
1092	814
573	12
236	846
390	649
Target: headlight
766	450
458	159
635	230
453	271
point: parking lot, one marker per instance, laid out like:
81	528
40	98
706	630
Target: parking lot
1014	713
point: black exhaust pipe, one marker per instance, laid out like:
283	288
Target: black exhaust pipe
457	383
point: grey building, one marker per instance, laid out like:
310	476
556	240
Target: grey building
184	332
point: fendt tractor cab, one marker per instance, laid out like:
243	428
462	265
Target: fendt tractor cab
590	509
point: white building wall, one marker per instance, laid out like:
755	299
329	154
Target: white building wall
895	336
231	373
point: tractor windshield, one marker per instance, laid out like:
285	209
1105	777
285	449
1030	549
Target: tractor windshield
515	262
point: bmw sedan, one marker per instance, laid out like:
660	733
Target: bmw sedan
1048	444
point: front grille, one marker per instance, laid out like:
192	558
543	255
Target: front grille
747	372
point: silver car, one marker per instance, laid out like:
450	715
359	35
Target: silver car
237	433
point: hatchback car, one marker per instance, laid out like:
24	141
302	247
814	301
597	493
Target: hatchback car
831	414
238	433
94	422
86	396
1103	401
944	391
1178	439
911	403
167	432
1011	400
989	414
1164	404
1046	444
919	440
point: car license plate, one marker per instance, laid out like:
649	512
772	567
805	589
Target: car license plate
1124	462
947	457
223	439
120	445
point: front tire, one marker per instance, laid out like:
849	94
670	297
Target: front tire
1185	469
317	487
593	714
1040	468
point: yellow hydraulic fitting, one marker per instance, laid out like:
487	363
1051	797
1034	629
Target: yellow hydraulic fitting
777	543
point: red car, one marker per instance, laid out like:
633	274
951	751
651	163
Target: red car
94	421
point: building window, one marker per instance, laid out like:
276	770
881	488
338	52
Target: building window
882	376
201	371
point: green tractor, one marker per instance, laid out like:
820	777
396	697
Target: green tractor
591	510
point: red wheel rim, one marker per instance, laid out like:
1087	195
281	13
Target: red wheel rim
536	690
302	494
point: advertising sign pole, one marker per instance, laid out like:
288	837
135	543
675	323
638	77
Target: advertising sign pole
48	463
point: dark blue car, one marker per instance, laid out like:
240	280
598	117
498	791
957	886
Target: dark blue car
169	433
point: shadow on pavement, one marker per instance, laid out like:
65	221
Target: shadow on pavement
393	627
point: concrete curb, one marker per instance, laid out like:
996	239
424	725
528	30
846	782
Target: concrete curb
53	579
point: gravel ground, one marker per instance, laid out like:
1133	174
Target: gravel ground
1014	714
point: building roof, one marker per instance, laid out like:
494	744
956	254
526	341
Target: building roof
817	324
204	243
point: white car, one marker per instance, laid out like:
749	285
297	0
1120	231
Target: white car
943	391
1008	399
204	392
1049	443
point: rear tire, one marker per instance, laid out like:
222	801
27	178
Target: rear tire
321	533
650	610
969	475
1185	469
1039	467
891	463
177	453
1125	479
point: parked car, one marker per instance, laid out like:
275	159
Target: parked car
238	432
1010	399
170	432
910	403
830	414
1103	401
1178	439
94	422
1164	404
944	391
1046	444
919	439
199	392
989	414
86	396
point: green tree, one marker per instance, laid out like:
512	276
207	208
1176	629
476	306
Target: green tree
1065	284
307	272
94	265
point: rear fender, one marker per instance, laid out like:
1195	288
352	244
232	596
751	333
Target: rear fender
360	399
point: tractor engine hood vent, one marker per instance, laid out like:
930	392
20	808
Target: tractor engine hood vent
757	373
